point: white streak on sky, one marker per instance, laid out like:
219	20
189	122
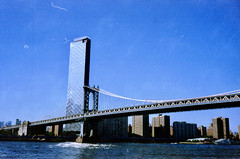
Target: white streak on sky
58	7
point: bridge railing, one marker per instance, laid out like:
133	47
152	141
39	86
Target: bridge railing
181	102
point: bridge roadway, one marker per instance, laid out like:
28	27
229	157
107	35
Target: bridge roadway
202	103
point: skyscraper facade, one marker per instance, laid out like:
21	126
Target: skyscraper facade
8	123
210	130
1	124
239	132
203	131
18	122
183	130
140	125
220	128
161	126
226	130
78	77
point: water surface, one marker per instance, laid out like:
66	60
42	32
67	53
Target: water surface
119	150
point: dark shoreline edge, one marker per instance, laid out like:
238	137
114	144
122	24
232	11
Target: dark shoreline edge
36	138
101	140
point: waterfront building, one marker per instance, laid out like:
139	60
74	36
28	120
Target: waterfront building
78	77
161	126
1	124
183	130
217	128
8	123
18	122
220	128
210	130
203	131
171	131
140	125
226	129
239	132
179	130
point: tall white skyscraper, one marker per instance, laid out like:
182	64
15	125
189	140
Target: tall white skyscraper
78	77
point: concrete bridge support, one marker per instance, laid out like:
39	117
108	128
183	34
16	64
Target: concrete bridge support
15	131
239	132
114	127
140	125
39	130
24	129
95	130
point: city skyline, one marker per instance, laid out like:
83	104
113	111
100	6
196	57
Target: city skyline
157	50
158	121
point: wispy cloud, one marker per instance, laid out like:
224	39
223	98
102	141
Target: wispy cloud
25	46
58	7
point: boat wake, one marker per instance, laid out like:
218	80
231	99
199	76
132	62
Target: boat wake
83	145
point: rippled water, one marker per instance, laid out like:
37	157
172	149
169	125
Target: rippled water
120	150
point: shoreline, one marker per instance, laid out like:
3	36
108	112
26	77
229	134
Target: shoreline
36	138
106	140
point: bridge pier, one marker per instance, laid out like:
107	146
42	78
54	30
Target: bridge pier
14	131
94	130
38	130
24	129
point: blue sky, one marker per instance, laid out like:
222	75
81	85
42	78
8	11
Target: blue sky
140	49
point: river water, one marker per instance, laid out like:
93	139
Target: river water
119	150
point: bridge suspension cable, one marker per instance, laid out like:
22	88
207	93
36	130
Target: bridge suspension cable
101	91
108	100
61	111
122	97
228	93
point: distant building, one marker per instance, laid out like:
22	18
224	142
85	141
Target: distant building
1	124
239	132
210	130
191	130
9	123
140	125
161	126
18	122
179	130
220	128
183	130
203	131
226	129
171	130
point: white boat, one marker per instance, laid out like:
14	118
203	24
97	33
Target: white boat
222	142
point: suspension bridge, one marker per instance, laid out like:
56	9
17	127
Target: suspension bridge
107	113
113	105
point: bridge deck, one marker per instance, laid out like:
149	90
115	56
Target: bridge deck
203	103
